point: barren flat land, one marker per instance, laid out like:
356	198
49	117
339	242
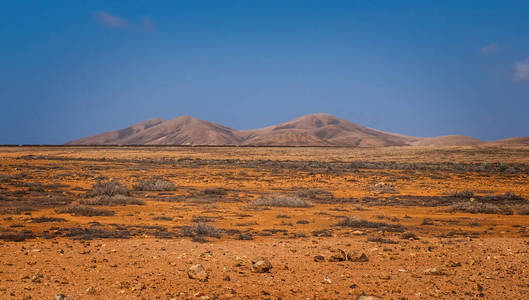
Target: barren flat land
264	223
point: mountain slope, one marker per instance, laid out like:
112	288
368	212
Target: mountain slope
183	130
310	130
516	141
328	128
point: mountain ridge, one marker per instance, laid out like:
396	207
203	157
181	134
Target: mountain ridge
318	129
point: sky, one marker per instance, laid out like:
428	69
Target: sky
69	69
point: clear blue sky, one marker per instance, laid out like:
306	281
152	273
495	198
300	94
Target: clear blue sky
69	69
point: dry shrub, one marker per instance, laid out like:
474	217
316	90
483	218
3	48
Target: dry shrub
523	209
17	236
462	194
154	184
475	207
15	210
46	220
112	200
281	201
215	191
108	188
355	222
201	230
314	194
85	211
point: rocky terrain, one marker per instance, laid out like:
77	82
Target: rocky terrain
264	223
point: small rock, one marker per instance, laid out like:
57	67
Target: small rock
261	265
91	291
433	271
327	280
319	258
357	257
363	297
62	297
338	255
198	272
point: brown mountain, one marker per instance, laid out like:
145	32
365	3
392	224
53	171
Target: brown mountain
311	130
183	130
516	141
324	129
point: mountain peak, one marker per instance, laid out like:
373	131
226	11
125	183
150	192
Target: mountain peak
319	129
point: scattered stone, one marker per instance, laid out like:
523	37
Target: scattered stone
62	297
226	278
319	258
337	255
433	271
357	257
261	265
198	272
91	291
453	264
327	280
364	297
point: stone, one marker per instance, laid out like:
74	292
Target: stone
337	255
261	265
319	258
357	256
197	272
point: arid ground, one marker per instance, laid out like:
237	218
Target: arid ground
332	223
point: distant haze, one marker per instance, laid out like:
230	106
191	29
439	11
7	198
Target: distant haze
72	69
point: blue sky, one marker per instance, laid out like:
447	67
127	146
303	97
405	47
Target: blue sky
69	69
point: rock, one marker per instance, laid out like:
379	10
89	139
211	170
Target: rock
337	255
62	297
239	262
319	258
261	265
198	272
91	291
364	297
433	271
327	280
357	256
453	264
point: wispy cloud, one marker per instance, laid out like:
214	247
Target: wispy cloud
111	21
490	49
521	70
148	25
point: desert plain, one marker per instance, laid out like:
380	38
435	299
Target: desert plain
264	222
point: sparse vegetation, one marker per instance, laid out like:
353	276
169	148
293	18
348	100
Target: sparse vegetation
115	200
17	236
46	220
281	201
108	188
355	222
85	211
201	230
154	184
475	207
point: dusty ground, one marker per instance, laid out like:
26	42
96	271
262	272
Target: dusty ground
400	206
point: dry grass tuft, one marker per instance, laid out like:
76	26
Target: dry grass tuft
154	184
281	201
475	207
85	211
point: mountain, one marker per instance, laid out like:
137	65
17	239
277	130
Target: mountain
323	129
183	130
516	141
310	130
